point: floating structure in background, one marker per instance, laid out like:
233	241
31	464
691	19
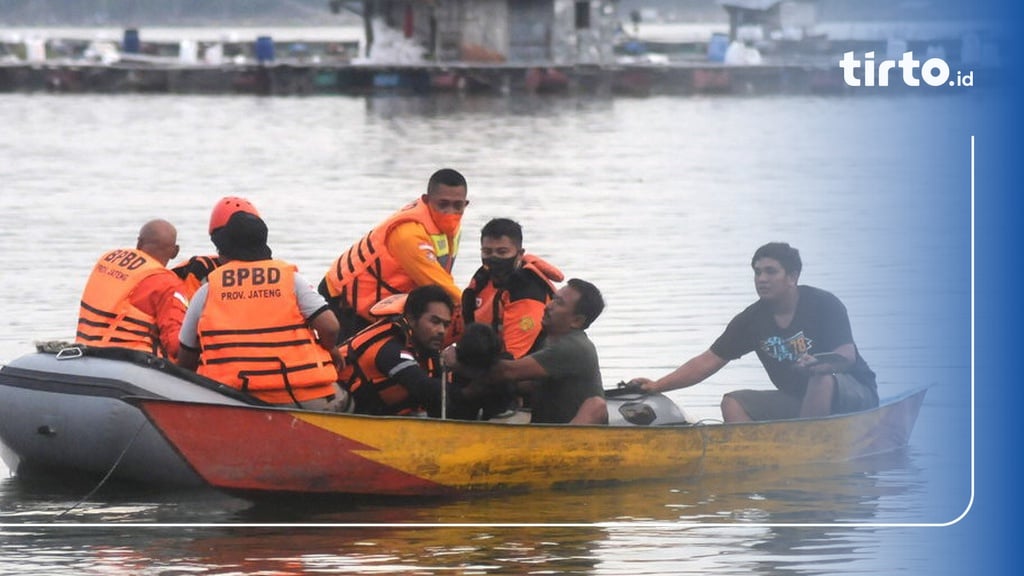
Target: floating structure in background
537	32
490	46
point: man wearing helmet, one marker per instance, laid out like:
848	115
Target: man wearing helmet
132	300
256	324
193	272
415	246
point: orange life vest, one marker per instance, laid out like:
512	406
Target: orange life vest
367	272
106	316
194	272
489	302
253	337
374	392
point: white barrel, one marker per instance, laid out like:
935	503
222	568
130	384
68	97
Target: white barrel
188	52
35	49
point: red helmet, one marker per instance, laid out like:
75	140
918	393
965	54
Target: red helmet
227	206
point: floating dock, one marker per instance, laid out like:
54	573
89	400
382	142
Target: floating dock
283	79
321	66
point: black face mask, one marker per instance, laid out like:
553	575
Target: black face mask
500	267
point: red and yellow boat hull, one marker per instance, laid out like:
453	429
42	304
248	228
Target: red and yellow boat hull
257	449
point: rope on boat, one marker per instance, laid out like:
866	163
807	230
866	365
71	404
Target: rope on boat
107	475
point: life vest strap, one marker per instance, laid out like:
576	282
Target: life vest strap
97	311
252	331
280	344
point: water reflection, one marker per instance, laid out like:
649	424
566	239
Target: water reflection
819	494
489	110
726	525
398	550
41	497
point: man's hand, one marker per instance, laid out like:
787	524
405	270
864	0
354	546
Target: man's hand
812	365
638	385
448	357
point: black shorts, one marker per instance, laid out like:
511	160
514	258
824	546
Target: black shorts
850	396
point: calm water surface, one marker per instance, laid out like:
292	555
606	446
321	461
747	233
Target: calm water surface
659	201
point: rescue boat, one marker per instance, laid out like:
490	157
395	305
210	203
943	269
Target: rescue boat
62	410
253	452
65	408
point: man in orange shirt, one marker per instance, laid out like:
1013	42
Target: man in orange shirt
415	246
132	300
511	288
508	293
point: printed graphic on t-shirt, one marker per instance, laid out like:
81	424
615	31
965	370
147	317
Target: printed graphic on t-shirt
787	350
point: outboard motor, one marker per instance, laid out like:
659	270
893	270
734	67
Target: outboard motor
631	407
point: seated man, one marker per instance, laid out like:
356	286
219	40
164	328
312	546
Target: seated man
132	300
510	289
787	327
258	326
508	293
565	375
392	366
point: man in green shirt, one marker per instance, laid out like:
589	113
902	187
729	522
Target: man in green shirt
564	377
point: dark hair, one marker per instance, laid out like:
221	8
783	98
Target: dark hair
591	303
418	300
499	227
446	176
480	346
787	256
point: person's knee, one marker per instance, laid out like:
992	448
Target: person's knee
821	384
733	411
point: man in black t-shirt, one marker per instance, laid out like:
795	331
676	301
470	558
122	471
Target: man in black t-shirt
789	328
